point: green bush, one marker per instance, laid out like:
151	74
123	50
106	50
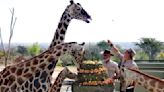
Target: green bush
34	49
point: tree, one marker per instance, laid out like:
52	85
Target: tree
12	25
103	45
66	59
1	54
160	56
34	49
150	46
141	55
22	50
92	52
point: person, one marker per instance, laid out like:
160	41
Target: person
127	60
111	67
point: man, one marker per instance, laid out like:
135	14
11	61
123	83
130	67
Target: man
111	66
127	60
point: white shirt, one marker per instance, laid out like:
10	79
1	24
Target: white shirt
128	64
112	68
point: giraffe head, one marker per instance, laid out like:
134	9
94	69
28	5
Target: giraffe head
69	74
78	53
76	11
127	77
75	50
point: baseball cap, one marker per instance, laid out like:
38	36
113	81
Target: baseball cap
131	51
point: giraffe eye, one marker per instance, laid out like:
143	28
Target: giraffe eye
78	3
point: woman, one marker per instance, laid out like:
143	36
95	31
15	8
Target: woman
127	60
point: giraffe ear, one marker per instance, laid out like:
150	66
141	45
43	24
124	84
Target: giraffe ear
71	1
82	44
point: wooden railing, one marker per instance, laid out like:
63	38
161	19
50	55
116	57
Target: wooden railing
153	68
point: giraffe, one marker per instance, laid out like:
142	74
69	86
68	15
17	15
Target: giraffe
150	83
12	77
72	11
65	73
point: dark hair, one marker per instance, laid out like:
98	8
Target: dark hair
131	53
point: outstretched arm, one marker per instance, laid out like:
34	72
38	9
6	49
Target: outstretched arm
114	48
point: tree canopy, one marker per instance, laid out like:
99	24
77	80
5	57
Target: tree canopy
34	49
150	46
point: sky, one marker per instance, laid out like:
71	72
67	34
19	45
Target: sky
117	20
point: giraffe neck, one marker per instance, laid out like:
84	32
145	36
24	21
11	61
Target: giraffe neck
59	35
65	73
150	83
58	82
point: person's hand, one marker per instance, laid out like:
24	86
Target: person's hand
114	77
108	81
110	43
